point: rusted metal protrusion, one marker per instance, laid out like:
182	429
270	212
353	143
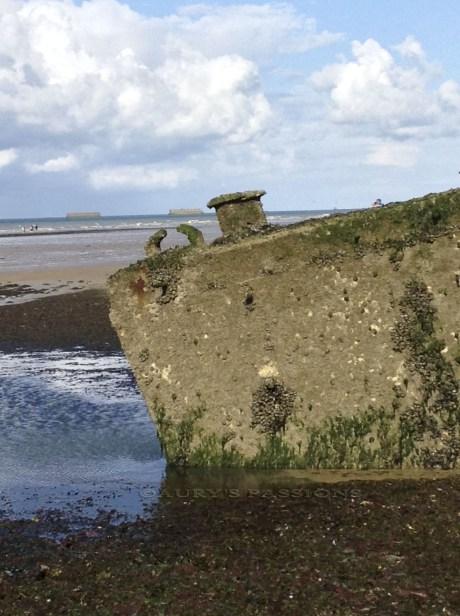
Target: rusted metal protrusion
153	245
239	212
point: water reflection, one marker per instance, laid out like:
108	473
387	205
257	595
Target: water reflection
75	436
197	484
77	444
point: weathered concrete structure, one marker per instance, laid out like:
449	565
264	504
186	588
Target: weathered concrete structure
194	236
239	212
153	245
333	343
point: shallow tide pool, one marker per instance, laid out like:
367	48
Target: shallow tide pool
75	438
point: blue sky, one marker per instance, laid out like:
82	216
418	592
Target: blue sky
141	106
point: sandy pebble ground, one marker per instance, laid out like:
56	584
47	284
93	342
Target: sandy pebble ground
25	286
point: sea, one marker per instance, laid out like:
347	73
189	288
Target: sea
76	439
117	240
11	226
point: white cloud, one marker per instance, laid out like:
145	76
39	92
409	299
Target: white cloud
139	177
213	92
55	165
7	157
97	76
411	48
375	91
255	30
394	154
391	99
219	97
449	95
100	69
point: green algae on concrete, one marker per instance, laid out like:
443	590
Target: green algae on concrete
368	440
394	226
176	437
153	245
331	343
194	235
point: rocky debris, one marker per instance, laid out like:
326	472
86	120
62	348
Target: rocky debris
18	290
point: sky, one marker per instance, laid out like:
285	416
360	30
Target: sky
140	106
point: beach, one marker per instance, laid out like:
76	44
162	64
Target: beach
229	308
207	542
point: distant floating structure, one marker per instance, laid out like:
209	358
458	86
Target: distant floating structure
191	211
82	215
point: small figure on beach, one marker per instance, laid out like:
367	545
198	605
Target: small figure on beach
377	203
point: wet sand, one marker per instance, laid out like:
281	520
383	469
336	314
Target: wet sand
60	321
52	308
94	276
